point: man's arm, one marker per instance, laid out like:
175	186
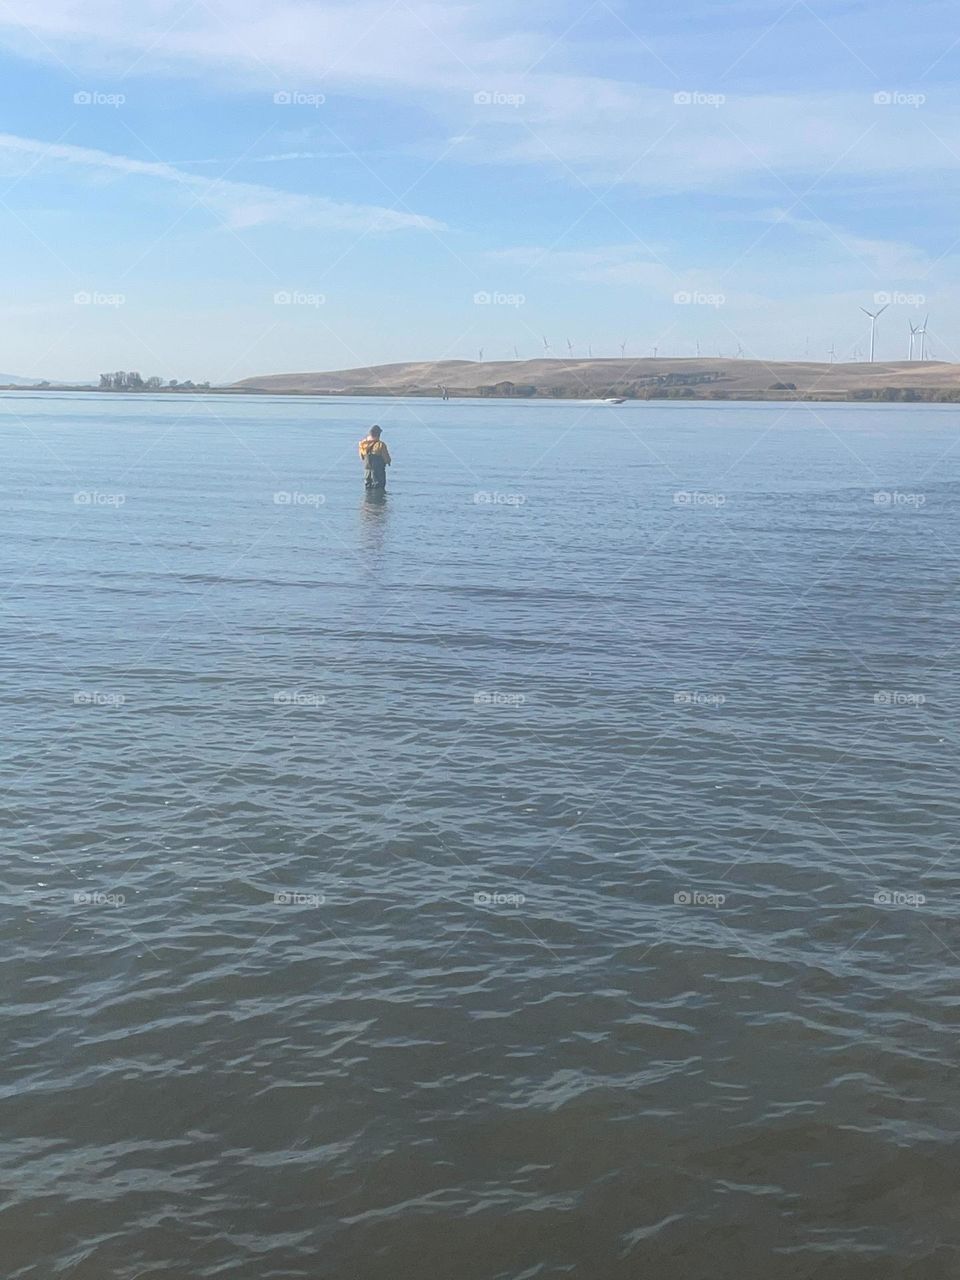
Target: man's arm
386	455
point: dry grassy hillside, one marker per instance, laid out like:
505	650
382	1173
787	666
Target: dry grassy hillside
592	378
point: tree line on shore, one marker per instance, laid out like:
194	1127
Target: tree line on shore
122	381
703	387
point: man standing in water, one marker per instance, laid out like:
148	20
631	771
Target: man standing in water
376	459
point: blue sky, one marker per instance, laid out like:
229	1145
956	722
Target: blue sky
254	186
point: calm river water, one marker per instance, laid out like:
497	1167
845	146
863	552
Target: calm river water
549	871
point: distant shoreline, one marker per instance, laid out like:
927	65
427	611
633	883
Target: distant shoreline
693	394
585	381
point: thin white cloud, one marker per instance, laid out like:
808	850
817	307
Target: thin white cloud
600	128
278	157
894	258
239	204
769	266
670	141
607	264
279	43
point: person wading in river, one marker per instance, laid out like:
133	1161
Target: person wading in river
376	459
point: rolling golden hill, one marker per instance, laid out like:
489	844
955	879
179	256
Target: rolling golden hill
642	378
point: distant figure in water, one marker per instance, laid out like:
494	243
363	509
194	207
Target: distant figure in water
376	459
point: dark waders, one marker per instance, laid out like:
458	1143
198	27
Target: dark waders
375	473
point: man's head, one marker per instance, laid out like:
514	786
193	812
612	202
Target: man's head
376	432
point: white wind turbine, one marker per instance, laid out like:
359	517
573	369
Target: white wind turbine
914	330
922	334
833	352
874	317
623	348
